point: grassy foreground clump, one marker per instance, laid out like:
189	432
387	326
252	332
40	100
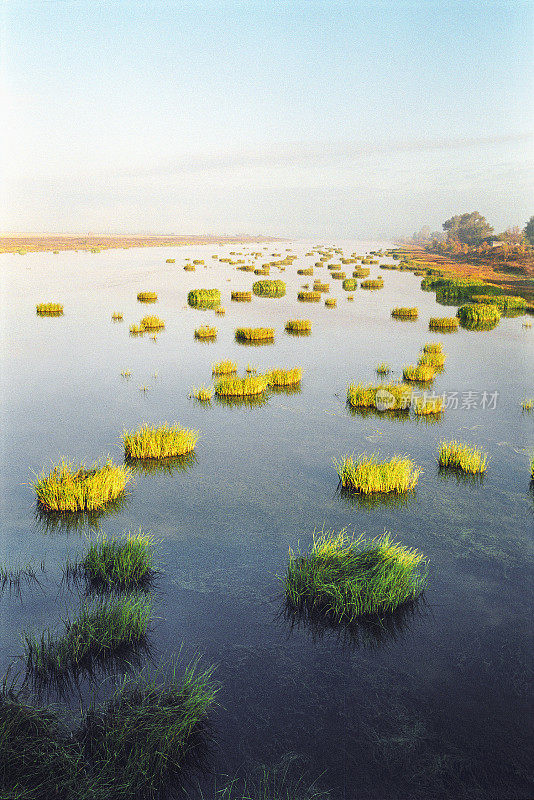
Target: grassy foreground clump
99	629
298	325
457	455
404	313
269	288
254	334
478	314
443	323
347	578
204	298
420	373
166	441
241	387
139	741
284	377
382	396
368	475
224	367
123	563
147	297
76	488
206	332
51	309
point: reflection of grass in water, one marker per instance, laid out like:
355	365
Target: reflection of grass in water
429	419
252	401
399	415
295	389
461	477
77	520
371	632
12	577
165	466
370	502
285	781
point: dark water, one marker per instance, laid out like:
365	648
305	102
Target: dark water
436	706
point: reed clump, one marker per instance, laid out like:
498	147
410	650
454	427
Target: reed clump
254	334
75	488
152	323
117	316
433	347
244	297
225	367
378	283
310	297
383	368
345	577
420	373
147	297
206	332
49	309
204	298
423	406
443	323
98	630
330	302
361	272
276	288
123	563
202	393
465	457
367	475
220	310
527	405
383	397
405	313
434	360
284	377
298	325
241	387
350	284
318	286
478	315
165	441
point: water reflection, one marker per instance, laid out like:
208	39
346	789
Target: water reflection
399	414
52	521
464	478
164	466
377	500
254	401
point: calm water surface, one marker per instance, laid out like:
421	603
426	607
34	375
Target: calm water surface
436	706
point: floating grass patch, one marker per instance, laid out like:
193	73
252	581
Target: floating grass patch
350	284
204	298
434	360
220	310
100	628
310	297
402	312
478	315
433	347
269	288
241	387
307	271
321	287
346	577
165	441
225	367
170	260
243	297
383	397
152	323
420	373
189	268
527	405
367	475
202	393
338	276
136	330
298	326
49	309
206	332
458	455
147	297
123	563
361	272
383	368
378	283
443	323
139	742
330	302
117	316
284	377
75	488
423	406
254	334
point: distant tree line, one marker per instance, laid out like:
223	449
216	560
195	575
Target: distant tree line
465	232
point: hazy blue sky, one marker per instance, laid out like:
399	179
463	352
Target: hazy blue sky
300	118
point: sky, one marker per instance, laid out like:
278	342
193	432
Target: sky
338	118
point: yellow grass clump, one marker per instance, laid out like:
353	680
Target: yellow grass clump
50	309
465	457
420	373
245	297
241	387
404	313
367	475
202	393
165	441
254	334
443	323
206	332
147	297
224	367
423	406
284	377
298	325
152	323
116	316
310	297
70	487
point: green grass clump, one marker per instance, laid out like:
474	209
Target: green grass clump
204	298
123	563
138	743
421	373
478	314
100	628
226	367
147	297
310	297
76	488
49	309
284	377
254	334
165	441
298	325
242	296
367	475
443	323
372	284
350	284
39	760
241	387
202	393
457	455
206	332
404	313
390	397
346	577
269	288
423	406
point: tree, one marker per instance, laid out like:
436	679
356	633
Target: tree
471	229
512	236
529	230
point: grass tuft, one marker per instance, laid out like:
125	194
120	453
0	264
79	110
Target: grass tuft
457	455
424	406
443	323
402	312
206	332
49	309
310	297
420	373
224	367
269	288
367	475
151	323
241	387
245	297
76	488
204	298
147	297
378	283
478	315
383	368
284	377
202	393
165	441
382	396
254	334
298	325
123	563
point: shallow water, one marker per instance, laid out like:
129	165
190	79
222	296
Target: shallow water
436	706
